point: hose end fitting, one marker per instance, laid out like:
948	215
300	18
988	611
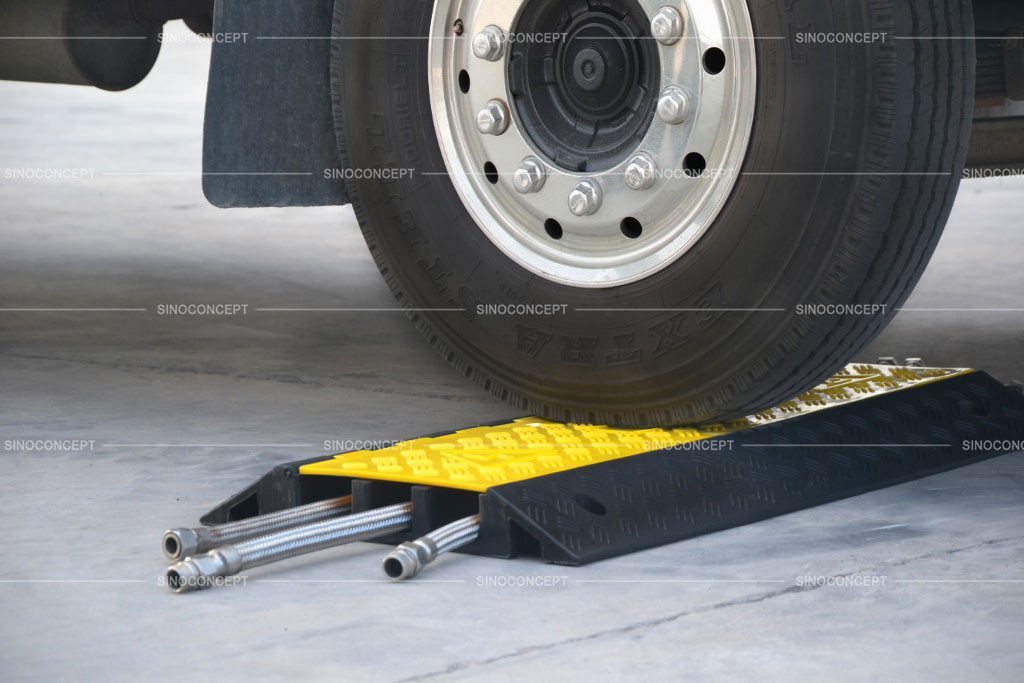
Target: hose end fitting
180	543
409	559
202	571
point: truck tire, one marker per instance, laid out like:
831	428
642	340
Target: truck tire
800	185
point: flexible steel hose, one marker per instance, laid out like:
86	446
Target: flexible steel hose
199	572
181	543
409	559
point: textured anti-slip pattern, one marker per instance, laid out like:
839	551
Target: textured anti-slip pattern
484	457
618	507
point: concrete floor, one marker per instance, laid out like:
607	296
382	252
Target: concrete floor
184	412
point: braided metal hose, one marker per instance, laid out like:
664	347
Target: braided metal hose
181	543
195	573
409	559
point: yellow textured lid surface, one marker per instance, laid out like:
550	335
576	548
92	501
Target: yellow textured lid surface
479	458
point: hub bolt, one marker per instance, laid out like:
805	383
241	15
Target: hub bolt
585	199
529	177
494	118
667	26
674	105
489	44
640	172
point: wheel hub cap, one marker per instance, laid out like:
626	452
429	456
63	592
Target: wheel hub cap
620	148
585	100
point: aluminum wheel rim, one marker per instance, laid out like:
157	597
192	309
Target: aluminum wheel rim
635	232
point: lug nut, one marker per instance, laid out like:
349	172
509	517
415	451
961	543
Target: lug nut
640	172
674	105
489	44
585	199
494	118
667	26
529	177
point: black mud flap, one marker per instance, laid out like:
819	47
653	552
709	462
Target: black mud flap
269	132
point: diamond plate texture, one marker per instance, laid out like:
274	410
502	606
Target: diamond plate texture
484	457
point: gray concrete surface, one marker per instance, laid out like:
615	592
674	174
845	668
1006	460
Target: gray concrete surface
184	412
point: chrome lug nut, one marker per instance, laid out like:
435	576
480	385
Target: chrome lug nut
489	44
640	172
585	199
494	118
674	105
667	26
529	177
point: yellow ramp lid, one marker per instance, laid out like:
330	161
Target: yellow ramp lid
480	458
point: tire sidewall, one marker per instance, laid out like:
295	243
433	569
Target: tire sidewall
779	241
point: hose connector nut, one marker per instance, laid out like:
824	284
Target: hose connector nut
202	571
181	543
409	559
